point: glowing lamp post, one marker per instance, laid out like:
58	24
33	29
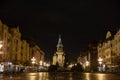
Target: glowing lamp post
1	46
87	63
100	61
33	61
41	63
47	64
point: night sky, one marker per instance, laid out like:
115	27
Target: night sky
79	22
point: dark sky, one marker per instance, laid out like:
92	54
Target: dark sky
78	21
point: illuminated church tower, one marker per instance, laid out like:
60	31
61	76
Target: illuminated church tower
59	56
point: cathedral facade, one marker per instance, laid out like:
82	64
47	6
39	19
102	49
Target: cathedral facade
59	55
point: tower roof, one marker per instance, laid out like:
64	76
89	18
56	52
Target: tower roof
108	34
59	41
59	45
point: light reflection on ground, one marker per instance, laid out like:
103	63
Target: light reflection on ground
60	76
101	76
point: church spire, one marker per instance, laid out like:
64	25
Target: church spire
59	45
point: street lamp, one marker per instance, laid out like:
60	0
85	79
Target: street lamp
1	46
45	63
87	63
41	63
33	61
100	61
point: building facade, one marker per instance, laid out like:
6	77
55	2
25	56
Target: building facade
93	56
38	54
88	57
4	42
15	45
109	51
24	55
59	56
16	50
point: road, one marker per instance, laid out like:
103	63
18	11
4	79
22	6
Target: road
60	76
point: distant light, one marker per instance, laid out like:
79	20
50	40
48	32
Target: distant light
41	63
0	46
100	59
33	60
87	63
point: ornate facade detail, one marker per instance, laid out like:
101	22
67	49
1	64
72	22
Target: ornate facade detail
109	50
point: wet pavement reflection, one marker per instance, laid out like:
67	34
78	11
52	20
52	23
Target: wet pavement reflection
59	76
